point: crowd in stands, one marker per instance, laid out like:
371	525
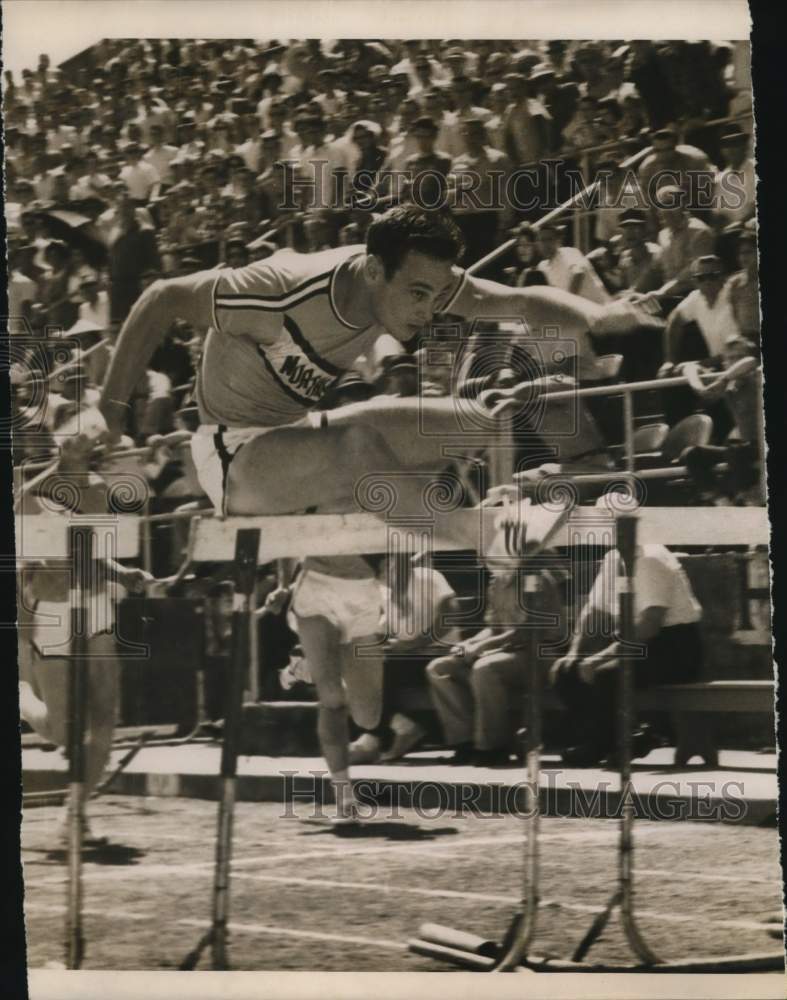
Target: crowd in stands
138	160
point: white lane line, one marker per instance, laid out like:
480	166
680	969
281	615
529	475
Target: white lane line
234	928
382	889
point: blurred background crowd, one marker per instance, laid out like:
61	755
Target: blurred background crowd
136	160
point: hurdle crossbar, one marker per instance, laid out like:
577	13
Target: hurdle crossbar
298	536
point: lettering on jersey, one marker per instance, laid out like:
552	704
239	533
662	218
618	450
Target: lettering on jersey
296	366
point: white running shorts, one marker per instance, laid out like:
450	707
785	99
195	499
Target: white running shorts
354	607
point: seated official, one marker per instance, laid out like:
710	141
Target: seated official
666	629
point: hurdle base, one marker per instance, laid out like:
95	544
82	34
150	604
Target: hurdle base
446	944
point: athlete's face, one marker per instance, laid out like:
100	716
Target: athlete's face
407	301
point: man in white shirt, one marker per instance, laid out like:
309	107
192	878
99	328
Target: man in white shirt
666	630
708	306
161	154
139	176
567	267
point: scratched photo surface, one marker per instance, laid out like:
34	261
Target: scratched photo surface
389	489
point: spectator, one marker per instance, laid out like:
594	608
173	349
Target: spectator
736	184
559	100
160	154
640	260
708	306
525	271
139	176
477	689
94	307
482	170
56	297
682	239
22	290
452	139
495	124
567	267
668	159
743	286
587	677
132	252
428	166
618	191
526	124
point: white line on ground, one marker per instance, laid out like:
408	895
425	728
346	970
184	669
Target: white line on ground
399	889
235	928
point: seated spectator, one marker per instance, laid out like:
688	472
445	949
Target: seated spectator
525	271
56	288
682	239
736	184
92	182
618	191
476	686
640	260
659	168
585	129
709	307
22	291
495	124
667	624
743	286
567	267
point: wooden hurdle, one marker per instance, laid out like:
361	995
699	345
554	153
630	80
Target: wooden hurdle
81	541
472	952
250	541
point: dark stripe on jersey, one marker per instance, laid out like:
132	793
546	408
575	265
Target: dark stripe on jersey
276	298
278	308
283	385
295	332
332	300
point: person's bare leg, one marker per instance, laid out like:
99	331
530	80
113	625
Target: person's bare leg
362	670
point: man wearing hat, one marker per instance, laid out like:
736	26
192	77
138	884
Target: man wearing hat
451	134
709	307
640	260
567	267
736	184
682	239
743	286
658	169
139	176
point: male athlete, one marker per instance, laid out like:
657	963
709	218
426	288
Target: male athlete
282	329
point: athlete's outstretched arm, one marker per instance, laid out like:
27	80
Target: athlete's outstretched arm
540	307
189	298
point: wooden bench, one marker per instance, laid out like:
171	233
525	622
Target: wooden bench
690	705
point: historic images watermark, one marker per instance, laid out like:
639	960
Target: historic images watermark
305	796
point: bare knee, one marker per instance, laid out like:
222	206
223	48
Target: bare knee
332	698
441	668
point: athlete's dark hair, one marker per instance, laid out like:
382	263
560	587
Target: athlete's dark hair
407	227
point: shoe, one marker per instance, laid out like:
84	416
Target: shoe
499	757
365	750
88	837
583	755
347	816
407	736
